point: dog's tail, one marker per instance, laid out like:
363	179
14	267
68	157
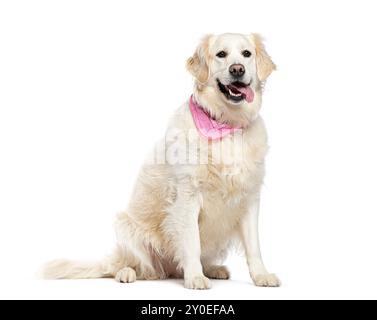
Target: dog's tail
66	269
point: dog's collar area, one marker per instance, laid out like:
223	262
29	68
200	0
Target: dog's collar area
206	125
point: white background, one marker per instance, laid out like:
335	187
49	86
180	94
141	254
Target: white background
86	87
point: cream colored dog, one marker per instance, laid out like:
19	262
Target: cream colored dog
198	194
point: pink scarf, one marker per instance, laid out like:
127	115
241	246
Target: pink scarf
208	127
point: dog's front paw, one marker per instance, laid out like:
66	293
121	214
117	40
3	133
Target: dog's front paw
266	280
126	275
197	283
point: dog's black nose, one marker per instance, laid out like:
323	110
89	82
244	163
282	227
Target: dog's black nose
237	70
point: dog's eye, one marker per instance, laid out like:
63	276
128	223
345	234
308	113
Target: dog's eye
221	54
246	53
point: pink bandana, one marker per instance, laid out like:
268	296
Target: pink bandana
208	127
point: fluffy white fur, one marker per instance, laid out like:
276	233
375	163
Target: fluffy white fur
183	218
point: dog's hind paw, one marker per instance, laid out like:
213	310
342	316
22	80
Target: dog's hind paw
217	272
126	275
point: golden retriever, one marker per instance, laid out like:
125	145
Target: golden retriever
197	195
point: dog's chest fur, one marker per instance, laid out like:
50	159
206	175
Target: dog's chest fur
230	180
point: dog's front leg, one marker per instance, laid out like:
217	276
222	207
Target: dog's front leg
183	219
250	239
190	245
192	267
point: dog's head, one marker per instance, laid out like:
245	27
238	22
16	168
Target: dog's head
230	70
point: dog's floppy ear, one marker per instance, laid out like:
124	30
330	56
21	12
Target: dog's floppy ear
197	65
265	65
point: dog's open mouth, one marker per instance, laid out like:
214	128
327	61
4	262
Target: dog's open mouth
237	91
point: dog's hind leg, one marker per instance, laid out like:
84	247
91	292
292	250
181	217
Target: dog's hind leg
137	258
126	267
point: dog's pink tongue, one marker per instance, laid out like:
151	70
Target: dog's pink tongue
248	92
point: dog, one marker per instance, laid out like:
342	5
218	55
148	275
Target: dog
198	194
